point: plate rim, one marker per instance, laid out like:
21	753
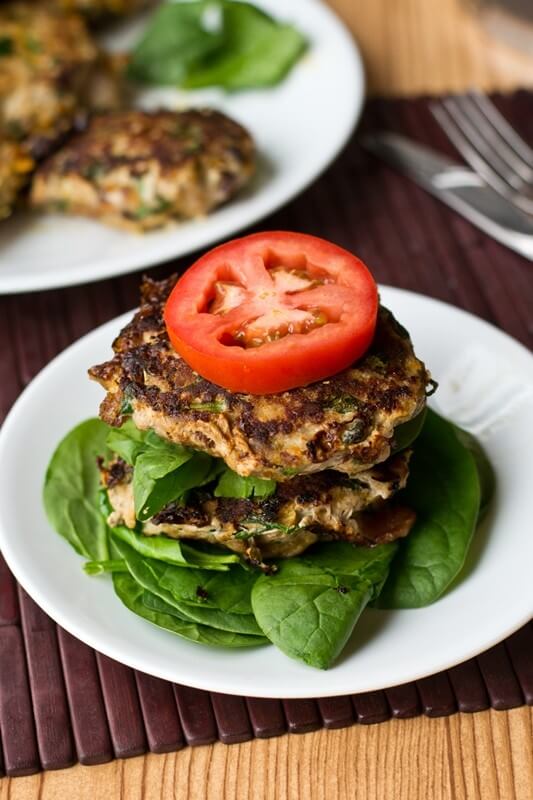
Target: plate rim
108	648
89	273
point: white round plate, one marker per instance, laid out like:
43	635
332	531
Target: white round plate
299	128
486	383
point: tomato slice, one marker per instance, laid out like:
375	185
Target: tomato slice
272	311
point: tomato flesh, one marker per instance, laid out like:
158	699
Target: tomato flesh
272	311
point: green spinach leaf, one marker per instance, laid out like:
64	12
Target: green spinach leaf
343	558
236	623
131	594
162	471
215	43
100	567
127	441
406	433
487	478
309	611
230	484
175	42
228	592
71	490
157	478
173	551
444	490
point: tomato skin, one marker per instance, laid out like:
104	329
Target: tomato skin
350	302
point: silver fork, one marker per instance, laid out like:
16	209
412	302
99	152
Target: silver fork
489	144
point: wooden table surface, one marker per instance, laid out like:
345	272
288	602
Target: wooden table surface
409	46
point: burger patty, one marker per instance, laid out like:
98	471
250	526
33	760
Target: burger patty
51	72
140	170
15	168
324	506
344	423
102	9
46	61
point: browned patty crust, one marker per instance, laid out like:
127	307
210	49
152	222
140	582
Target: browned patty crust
102	9
15	169
46	61
344	423
52	74
140	170
323	506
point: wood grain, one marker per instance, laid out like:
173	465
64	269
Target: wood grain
431	47
464	757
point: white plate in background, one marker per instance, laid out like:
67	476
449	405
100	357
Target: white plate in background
299	127
486	384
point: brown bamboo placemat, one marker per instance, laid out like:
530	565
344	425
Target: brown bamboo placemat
60	701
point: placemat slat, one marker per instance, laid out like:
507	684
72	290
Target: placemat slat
404	701
266	716
302	715
196	715
336	712
50	710
17	728
122	707
9	604
468	687
160	715
520	649
500	679
86	703
231	717
436	695
371	707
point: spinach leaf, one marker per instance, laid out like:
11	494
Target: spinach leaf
228	592
258	51
217	43
206	557
230	484
149	573
175	42
172	551
343	558
99	567
236	623
71	490
127	441
309	611
162	471
487	478
444	490
406	433
131	594
157	478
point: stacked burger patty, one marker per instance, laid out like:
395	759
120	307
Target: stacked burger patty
69	142
335	448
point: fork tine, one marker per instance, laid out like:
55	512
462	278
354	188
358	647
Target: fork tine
492	134
468	152
478	141
499	122
447	116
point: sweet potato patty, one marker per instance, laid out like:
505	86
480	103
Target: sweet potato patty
323	506
139	170
344	423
